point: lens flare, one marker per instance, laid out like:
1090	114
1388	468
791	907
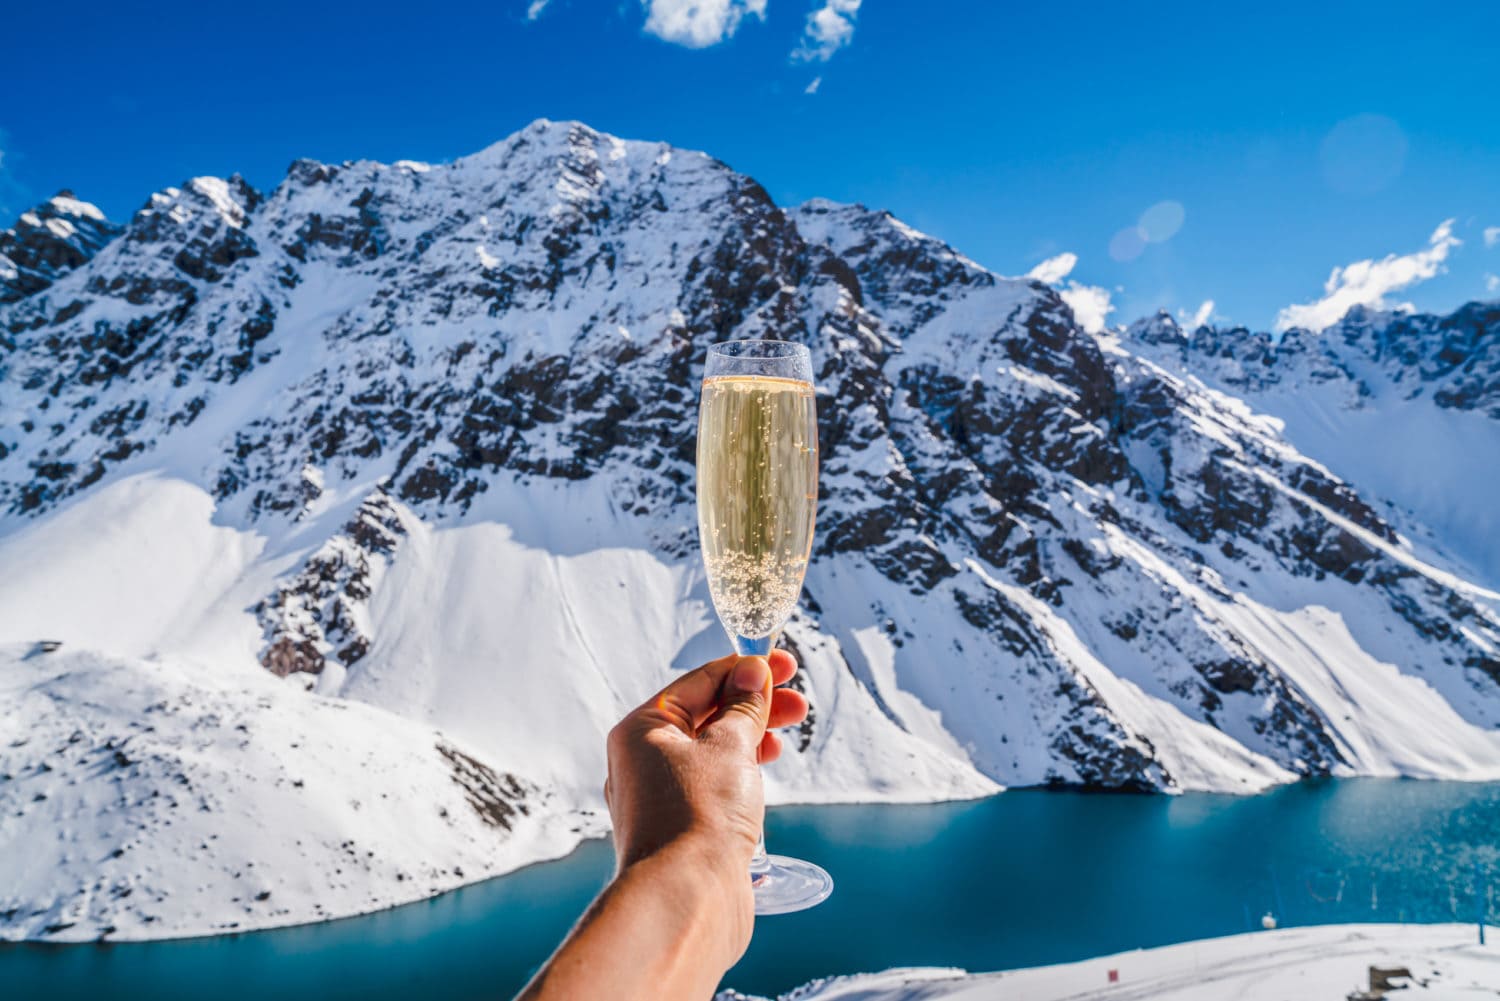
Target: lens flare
1127	244
1363	154
1161	221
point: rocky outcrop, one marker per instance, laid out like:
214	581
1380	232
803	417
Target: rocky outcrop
318	615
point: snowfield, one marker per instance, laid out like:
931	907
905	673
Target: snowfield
397	458
158	799
178	788
1326	963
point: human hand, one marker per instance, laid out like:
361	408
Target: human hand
685	798
684	775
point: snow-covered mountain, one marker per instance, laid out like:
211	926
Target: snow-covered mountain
1406	406
420	437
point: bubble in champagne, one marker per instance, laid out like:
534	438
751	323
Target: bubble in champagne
757	491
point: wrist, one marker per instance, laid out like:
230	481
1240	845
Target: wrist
711	860
668	925
705	887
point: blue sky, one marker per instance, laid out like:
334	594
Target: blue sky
1190	155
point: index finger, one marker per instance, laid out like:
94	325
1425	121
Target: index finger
783	666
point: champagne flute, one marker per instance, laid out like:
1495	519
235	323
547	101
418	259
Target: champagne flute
757	500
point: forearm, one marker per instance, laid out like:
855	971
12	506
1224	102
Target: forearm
663	929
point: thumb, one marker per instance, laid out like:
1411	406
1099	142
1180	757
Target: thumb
744	705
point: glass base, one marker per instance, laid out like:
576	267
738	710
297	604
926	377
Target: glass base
789	884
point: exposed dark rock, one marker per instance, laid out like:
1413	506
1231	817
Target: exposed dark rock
311	618
497	797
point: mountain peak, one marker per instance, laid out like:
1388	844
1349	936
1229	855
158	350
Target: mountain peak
547	138
1158	328
65	203
898	267
49	240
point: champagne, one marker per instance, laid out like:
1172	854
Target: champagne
757	496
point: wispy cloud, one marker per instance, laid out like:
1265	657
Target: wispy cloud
829	28
535	8
1204	313
1054	269
1491	235
1090	305
1492	283
812	88
698	24
1368	282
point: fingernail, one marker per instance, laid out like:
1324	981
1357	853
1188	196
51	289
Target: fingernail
750	675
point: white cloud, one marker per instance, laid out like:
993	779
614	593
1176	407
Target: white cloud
1491	235
829	28
1492	283
812	88
1090	305
1202	315
1368	282
698	24
1053	269
535	8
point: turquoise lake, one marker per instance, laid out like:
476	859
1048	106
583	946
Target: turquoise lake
1028	877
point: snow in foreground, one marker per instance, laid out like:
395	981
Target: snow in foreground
1316	964
156	800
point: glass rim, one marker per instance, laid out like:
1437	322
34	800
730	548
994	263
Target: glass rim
759	348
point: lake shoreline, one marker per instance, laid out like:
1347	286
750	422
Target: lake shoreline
602	835
1035	878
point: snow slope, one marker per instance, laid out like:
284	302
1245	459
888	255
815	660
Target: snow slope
1306	964
157	799
1403	405
418	439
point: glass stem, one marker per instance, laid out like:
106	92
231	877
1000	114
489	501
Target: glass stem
759	863
760	646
